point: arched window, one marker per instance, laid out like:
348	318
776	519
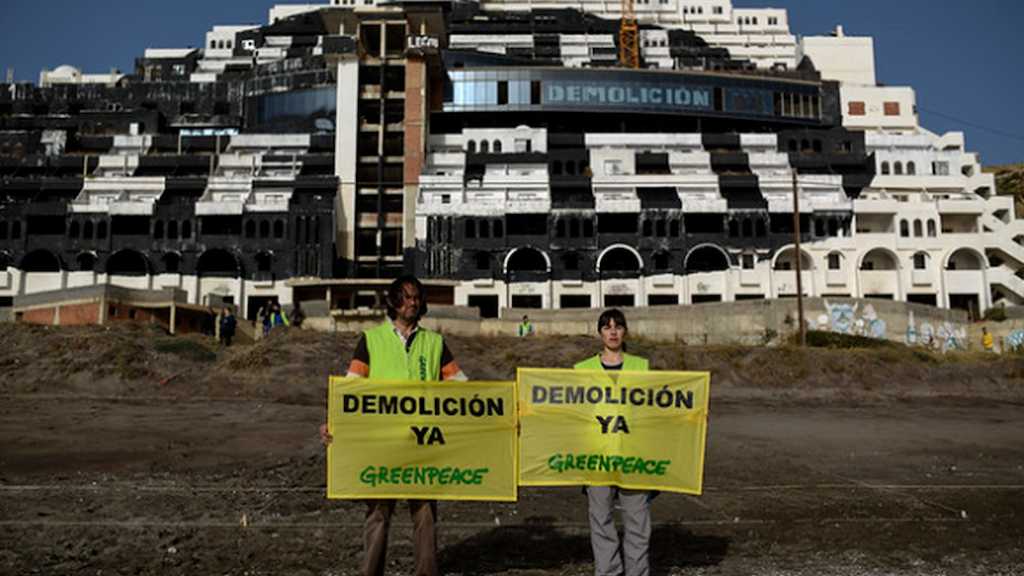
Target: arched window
661	261
172	262
570	167
264	229
485	147
217	262
87	230
560	228
482	261
186	229
918	229
648	228
805	145
497	146
833	227
734	228
911	168
748	228
41	261
172	230
158	230
574	228
250	229
86	262
264	262
278	229
556	167
101	230
72	230
673	228
471	147
470	228
761	230
931	228
897	168
128	263
499	229
706	259
485	229
904	229
885	168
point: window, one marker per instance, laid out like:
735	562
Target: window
897	168
716	10
278	229
904	229
940	168
524	145
747	261
920	261
885	168
471	147
499	228
931	228
502	92
835	261
661	261
101	230
470	229
172	230
72	230
264	229
485	147
485	229
911	168
158	230
560	229
574	228
856	109
918	231
535	92
891	108
496	147
186	229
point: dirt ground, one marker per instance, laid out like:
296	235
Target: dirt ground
126	451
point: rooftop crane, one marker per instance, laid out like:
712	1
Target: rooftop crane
629	44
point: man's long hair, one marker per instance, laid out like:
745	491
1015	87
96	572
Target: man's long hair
393	297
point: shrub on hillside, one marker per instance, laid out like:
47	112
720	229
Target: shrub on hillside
823	339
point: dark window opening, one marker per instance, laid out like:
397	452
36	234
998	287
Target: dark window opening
703	223
502	92
663	300
527	260
499	229
129	225
620	260
611	223
528	224
535	92
86	262
706	259
172	263
172	230
619	300
527	301
574	301
158	230
661	261
128	263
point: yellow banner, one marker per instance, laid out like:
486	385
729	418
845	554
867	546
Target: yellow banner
426	440
639	430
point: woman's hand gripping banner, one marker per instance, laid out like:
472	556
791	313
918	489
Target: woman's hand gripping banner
639	430
426	440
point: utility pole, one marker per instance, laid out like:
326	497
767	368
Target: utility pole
799	258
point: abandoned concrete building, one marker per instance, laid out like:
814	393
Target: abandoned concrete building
499	150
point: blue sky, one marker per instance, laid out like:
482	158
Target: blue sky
963	57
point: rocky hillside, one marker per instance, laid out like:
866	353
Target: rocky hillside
1010	180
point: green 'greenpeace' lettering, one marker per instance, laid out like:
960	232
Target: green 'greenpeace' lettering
605	463
422	475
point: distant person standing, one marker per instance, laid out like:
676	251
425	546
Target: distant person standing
630	557
228	323
277	316
987	341
525	327
298	315
263	318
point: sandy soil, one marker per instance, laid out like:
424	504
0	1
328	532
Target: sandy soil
124	451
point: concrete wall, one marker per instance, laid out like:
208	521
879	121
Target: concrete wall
750	322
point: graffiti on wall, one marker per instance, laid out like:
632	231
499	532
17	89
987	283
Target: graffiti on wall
945	336
1014	340
842	318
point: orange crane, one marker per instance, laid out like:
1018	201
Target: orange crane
629	37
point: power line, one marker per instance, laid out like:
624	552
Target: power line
973	124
